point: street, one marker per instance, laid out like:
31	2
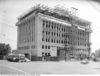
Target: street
39	67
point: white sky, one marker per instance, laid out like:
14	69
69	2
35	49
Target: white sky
11	9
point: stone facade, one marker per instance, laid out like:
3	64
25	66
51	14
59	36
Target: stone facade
41	33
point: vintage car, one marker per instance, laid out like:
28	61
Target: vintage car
85	61
16	58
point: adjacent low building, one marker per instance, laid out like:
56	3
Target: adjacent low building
43	31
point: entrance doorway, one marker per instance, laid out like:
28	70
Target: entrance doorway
27	55
61	54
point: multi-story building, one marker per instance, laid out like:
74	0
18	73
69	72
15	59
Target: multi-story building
42	31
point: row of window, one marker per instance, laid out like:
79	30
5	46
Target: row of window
63	34
80	50
52	40
45	47
52	25
26	47
46	33
83	43
47	25
59	37
65	41
26	32
49	47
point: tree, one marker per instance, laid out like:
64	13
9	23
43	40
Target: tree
4	49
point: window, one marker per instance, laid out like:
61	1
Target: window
85	45
46	32
51	40
42	53
45	54
46	39
52	33
57	41
57	34
42	38
54	26
33	46
45	47
49	54
54	40
57	27
48	47
42	46
19	48
62	28
62	41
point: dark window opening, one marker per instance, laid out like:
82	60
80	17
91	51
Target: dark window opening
42	46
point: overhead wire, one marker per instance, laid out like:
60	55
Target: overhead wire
98	10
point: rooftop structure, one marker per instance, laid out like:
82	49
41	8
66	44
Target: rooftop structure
57	12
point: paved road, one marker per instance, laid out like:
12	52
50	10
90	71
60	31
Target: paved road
50	68
9	70
5	68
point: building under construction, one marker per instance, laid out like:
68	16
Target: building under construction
53	33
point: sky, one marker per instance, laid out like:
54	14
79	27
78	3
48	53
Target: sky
10	10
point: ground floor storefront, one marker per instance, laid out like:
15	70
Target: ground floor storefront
61	55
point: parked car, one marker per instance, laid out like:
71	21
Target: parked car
96	59
85	61
16	58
